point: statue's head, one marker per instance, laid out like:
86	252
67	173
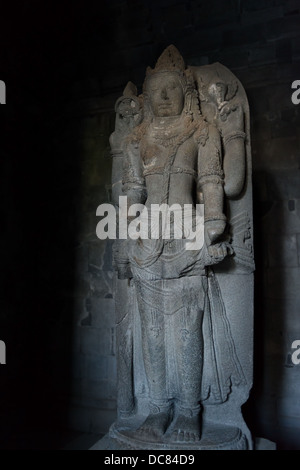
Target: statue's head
167	86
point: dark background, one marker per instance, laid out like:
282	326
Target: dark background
64	65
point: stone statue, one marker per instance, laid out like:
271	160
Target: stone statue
183	371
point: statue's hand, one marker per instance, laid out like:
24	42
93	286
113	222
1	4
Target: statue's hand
219	251
213	230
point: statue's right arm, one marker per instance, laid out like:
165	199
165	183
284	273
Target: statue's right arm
133	181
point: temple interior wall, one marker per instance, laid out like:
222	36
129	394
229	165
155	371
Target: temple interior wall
57	306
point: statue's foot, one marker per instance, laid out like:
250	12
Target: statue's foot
154	426
186	429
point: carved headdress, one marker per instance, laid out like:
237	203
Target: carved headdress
169	61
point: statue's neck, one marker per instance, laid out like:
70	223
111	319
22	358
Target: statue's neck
166	121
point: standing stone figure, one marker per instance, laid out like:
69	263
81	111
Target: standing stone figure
182	312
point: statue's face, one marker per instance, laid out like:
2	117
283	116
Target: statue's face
166	94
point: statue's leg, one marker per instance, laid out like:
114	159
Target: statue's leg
150	297
189	341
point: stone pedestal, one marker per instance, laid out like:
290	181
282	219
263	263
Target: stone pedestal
234	440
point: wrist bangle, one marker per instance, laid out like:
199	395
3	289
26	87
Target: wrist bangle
208	218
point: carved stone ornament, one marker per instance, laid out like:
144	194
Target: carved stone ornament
184	316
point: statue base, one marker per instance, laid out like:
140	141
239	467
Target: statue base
214	437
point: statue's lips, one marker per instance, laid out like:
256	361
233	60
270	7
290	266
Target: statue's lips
164	105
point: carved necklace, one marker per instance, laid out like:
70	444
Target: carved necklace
170	132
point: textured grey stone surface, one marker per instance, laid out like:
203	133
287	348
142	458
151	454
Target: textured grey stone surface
184	318
264	444
106	443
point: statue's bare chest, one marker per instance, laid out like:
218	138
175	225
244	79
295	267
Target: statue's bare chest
157	154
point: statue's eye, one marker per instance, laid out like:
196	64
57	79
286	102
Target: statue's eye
172	86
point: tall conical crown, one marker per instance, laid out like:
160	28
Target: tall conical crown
170	61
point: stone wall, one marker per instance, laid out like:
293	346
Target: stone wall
93	346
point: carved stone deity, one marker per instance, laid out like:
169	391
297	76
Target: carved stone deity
184	312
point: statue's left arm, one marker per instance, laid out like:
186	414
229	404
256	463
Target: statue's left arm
211	183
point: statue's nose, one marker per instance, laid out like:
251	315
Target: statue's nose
164	94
